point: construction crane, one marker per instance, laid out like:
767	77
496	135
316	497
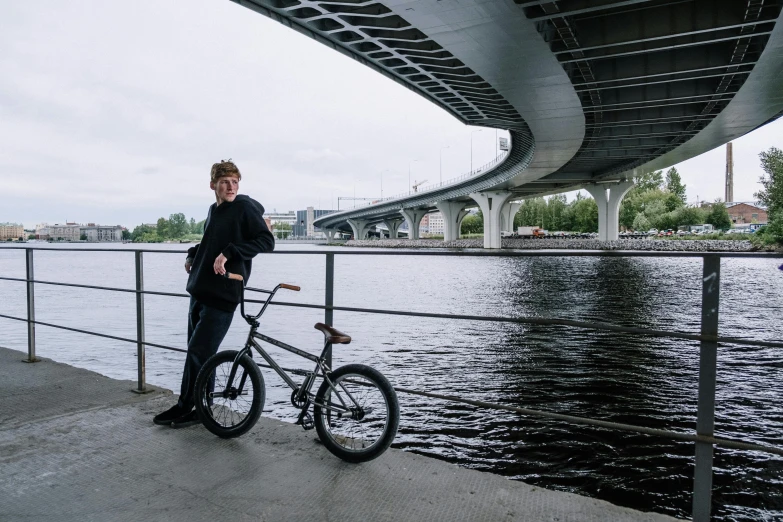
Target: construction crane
417	185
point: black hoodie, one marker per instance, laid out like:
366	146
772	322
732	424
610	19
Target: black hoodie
237	230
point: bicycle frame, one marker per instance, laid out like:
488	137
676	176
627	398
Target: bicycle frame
303	391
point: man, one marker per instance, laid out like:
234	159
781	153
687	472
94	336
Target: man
234	233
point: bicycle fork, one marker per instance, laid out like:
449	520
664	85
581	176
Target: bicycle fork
231	392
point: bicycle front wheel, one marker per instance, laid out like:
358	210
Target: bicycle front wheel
357	416
229	410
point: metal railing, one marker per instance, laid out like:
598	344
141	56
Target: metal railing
432	186
708	338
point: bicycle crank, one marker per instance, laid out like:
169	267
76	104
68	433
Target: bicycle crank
306	420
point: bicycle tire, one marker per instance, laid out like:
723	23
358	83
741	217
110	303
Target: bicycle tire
367	437
229	415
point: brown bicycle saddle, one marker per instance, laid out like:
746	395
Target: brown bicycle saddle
333	335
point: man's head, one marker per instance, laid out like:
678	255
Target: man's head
224	180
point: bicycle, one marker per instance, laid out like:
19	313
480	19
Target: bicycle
355	410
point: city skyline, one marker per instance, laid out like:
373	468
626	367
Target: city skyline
114	114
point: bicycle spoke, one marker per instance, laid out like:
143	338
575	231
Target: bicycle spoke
229	407
365	401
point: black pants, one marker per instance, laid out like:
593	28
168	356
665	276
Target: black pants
207	326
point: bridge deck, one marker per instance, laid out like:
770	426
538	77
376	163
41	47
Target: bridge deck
75	445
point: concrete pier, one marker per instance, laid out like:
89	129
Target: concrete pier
75	445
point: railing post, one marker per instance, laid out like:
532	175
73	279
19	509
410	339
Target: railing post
329	299
140	352
708	358
30	307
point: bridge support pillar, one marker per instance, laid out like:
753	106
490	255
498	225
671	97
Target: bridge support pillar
491	204
359	228
608	198
394	227
413	217
507	215
453	214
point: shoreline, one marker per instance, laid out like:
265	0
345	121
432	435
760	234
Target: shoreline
681	245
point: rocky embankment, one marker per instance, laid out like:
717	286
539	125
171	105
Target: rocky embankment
681	245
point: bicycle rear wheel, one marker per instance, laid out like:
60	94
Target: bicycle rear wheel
223	409
357	419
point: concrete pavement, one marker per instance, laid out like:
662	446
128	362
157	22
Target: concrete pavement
75	445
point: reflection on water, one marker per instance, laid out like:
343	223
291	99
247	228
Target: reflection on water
623	378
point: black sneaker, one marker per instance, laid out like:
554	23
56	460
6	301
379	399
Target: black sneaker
173	413
190	419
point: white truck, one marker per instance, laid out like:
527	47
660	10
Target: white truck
530	232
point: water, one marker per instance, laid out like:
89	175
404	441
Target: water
617	377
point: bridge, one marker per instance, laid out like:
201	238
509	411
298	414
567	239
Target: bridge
591	91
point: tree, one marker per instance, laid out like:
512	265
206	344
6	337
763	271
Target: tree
531	213
556	208
719	216
648	181
282	230
31	236
585	215
629	209
83	237
775	227
192	226
772	180
126	235
641	223
178	225
162	229
672	202
674	184
472	224
142	231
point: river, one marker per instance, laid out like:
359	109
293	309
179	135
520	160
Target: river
625	378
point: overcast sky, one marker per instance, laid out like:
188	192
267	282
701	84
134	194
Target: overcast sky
113	112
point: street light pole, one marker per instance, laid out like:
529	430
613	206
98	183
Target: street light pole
441	162
471	148
409	174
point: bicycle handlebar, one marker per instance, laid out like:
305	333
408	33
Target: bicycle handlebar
238	277
249	318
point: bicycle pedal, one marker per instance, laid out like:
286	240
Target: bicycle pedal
307	422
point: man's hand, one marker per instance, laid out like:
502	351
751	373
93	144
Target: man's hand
220	265
187	266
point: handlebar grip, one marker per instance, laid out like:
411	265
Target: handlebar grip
289	287
236	277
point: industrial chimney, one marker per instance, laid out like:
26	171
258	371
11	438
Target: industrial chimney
729	174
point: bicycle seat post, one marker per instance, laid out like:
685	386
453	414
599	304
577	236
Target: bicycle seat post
326	354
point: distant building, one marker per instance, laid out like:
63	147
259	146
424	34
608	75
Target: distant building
11	231
281	217
436	224
424	226
303	226
100	233
66	232
746	212
42	231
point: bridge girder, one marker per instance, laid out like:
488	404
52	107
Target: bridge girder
592	87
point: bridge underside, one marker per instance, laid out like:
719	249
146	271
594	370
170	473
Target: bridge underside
590	89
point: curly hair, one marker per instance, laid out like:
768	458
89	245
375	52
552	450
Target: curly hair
224	169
